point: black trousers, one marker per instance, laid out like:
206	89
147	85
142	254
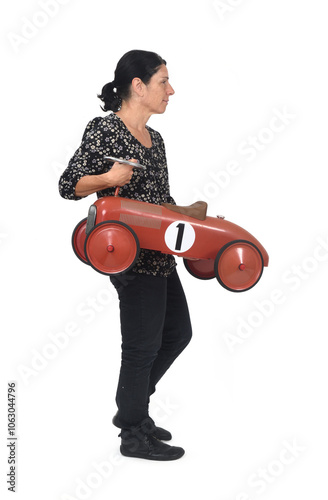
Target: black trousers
155	326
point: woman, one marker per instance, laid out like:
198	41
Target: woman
154	315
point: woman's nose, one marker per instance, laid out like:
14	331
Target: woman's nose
170	90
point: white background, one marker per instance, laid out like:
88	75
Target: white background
253	382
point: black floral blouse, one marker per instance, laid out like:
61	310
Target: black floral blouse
108	136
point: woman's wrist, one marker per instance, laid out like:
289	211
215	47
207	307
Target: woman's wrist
90	184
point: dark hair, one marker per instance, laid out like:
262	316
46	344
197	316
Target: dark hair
134	64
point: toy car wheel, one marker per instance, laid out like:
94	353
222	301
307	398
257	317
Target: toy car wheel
112	247
78	240
202	269
238	265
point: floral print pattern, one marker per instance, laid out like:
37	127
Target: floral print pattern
108	136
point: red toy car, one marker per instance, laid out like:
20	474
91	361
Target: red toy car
110	238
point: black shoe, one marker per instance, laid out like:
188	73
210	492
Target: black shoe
138	444
157	432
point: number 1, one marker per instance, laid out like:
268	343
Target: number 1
180	236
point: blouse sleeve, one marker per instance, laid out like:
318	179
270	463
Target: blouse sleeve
87	160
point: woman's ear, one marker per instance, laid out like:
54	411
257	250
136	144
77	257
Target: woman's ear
138	86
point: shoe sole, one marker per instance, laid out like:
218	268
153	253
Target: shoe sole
149	457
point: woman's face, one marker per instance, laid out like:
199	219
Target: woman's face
158	91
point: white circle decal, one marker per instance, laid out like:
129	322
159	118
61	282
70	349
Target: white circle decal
179	236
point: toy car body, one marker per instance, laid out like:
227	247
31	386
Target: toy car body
110	238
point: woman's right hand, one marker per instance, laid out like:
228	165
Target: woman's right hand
120	174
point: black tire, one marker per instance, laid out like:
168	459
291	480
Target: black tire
130	232
75	240
255	275
191	266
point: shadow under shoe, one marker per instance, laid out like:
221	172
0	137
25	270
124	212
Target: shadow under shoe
138	444
148	425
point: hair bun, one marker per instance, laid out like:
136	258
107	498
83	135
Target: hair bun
110	98
111	85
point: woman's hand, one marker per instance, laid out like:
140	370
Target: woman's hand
119	175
